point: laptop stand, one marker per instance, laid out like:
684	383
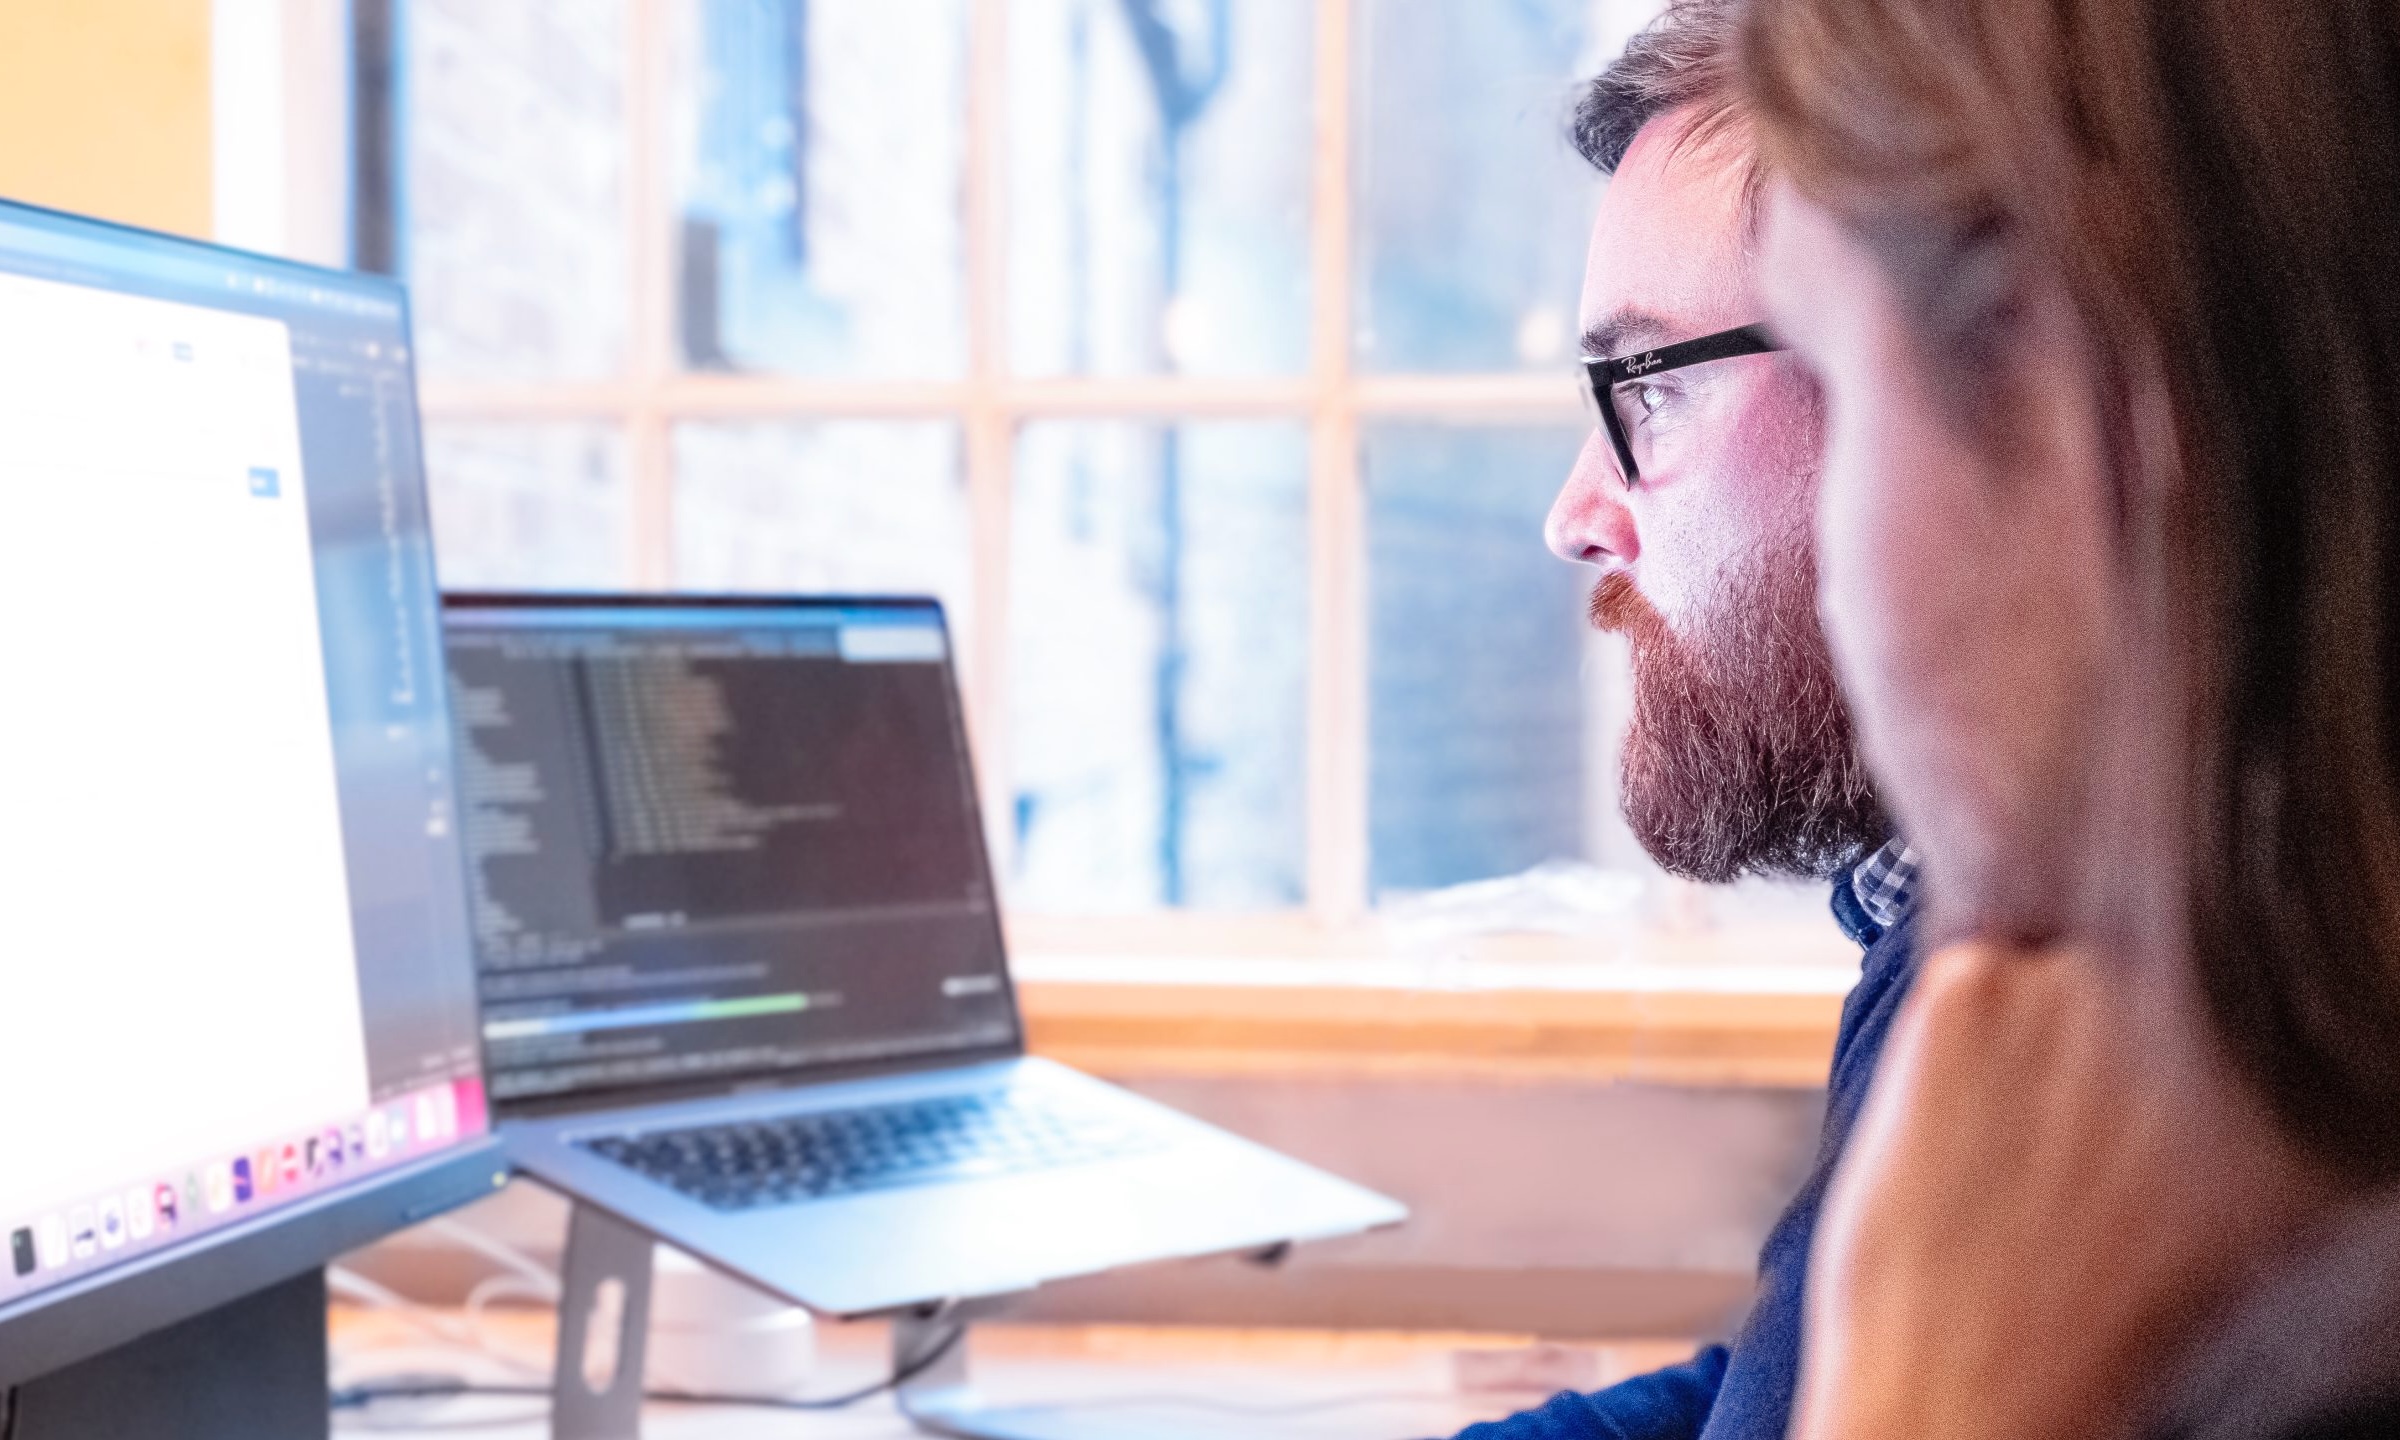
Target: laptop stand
940	1399
603	1345
603	1328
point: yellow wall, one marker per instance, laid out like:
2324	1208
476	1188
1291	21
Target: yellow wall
104	109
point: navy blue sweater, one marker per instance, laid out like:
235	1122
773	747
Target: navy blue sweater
1744	1391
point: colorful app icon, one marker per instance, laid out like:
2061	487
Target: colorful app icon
112	1222
170	1205
141	1217
400	1130
428	1122
20	1251
242	1188
266	1171
354	1142
192	1198
291	1166
467	1101
217	1183
50	1238
330	1147
312	1154
379	1135
83	1233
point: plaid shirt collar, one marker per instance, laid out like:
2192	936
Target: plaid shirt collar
1885	883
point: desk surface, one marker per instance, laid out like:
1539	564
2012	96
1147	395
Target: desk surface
1266	1385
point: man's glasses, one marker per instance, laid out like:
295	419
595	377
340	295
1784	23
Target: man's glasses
1618	386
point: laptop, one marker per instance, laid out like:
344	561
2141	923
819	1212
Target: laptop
741	969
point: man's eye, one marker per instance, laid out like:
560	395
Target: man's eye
1649	399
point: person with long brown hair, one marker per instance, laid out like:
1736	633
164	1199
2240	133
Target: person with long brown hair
2104	296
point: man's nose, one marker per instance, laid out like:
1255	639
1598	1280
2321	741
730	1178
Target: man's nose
1589	521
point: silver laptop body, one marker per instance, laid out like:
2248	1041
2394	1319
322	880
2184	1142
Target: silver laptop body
742	977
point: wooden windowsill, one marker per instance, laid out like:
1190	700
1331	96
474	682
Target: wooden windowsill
1751	1006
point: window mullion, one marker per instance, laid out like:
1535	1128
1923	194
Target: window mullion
648	208
1337	689
989	425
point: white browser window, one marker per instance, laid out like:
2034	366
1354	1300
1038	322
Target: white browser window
177	966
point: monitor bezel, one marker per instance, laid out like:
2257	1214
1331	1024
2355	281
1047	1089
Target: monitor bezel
459	602
94	1313
58	1325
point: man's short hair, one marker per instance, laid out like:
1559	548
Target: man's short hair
1684	58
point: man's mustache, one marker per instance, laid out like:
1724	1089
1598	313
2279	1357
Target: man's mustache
1619	607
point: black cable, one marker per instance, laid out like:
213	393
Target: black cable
8	1413
358	1397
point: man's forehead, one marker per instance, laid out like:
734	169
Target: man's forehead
1668	258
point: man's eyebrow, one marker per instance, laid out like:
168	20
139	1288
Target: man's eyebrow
1624	329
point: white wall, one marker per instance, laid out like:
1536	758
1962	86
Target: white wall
280	112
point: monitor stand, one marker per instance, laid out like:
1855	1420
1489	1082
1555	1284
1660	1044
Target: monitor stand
251	1370
604	1319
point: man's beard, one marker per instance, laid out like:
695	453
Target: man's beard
1741	759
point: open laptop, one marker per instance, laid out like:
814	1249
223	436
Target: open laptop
742	975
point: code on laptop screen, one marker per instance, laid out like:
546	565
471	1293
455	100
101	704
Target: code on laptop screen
712	841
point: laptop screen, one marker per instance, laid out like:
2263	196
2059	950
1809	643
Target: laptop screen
714	840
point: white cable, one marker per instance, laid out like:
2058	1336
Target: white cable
504	1287
427	1319
495	1287
499	1251
352	1285
521	1276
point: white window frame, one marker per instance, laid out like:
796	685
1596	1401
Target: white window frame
989	405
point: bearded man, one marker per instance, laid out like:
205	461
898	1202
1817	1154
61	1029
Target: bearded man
1694	498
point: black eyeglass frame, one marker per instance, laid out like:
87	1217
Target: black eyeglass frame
1607	375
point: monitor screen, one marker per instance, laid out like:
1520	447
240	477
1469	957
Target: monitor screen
709	841
237	966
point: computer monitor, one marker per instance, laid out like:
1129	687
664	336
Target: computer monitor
241	1027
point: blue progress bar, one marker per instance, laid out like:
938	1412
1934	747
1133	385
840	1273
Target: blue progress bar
680	1013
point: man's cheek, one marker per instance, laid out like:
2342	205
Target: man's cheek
1706	529
1688	586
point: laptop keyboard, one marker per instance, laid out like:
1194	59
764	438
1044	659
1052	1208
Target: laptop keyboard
788	1159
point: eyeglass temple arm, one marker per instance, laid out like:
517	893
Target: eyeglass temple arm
1724	345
